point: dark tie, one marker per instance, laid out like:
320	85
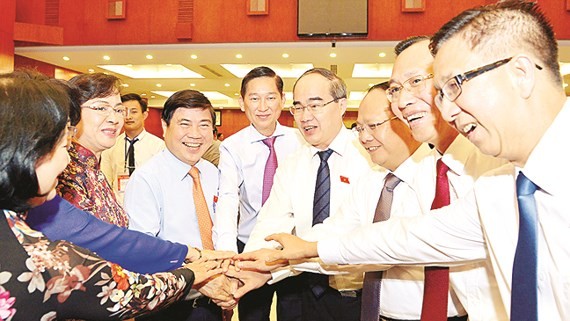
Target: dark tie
436	283
321	202
524	284
370	308
270	167
318	283
131	154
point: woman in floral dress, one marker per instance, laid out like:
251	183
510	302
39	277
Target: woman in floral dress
45	280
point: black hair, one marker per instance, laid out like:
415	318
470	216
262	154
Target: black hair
33	118
406	43
90	86
259	72
186	99
136	97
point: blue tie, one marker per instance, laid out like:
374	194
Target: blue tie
322	200
524	286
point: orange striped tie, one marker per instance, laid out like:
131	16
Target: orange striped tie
202	212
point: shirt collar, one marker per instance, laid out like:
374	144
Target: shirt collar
139	136
408	170
547	166
255	136
457	155
180	168
339	144
85	156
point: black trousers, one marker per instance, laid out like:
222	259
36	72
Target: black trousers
256	305
201	309
323	303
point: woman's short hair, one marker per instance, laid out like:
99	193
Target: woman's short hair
90	86
33	118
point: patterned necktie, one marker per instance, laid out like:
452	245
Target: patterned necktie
270	167
321	202
436	283
131	154
524	298
202	212
370	308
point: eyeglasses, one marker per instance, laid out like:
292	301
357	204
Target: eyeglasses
71	131
106	110
371	127
314	107
413	85
452	88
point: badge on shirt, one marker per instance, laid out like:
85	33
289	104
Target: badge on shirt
122	181
344	179
215	198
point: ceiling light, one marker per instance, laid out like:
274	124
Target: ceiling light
192	85
375	71
106	57
236	94
158	85
193	56
332	55
565	85
91	70
129	65
356	95
239	56
226	84
176	71
382	55
285	55
66	58
125	85
283	70
149	57
152	97
143	94
370	85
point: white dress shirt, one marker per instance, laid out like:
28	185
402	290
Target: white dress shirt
484	224
159	198
242	164
114	161
289	208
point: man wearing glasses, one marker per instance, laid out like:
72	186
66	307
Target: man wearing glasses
311	184
513	108
411	93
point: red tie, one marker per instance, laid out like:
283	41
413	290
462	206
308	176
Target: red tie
436	283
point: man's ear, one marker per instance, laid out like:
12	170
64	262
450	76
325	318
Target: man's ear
524	73
241	103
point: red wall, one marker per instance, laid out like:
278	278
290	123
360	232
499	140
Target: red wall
154	21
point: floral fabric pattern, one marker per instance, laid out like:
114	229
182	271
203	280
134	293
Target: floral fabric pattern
84	185
55	280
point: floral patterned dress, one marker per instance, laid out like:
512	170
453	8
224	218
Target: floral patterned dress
44	280
84	185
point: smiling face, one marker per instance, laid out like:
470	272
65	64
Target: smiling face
388	144
319	129
417	109
98	132
483	112
189	134
134	122
262	104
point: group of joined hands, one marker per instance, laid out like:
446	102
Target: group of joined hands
225	276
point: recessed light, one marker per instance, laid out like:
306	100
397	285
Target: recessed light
125	85
370	85
194	56
149	57
158	85
66	58
285	55
152	97
143	94
565	85
106	57
91	70
332	55
192	85
129	65
239	56
382	55
226	84
236	94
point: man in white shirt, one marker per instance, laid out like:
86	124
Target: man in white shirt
497	67
244	158
134	147
296	200
472	287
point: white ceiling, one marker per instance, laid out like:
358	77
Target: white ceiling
207	60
